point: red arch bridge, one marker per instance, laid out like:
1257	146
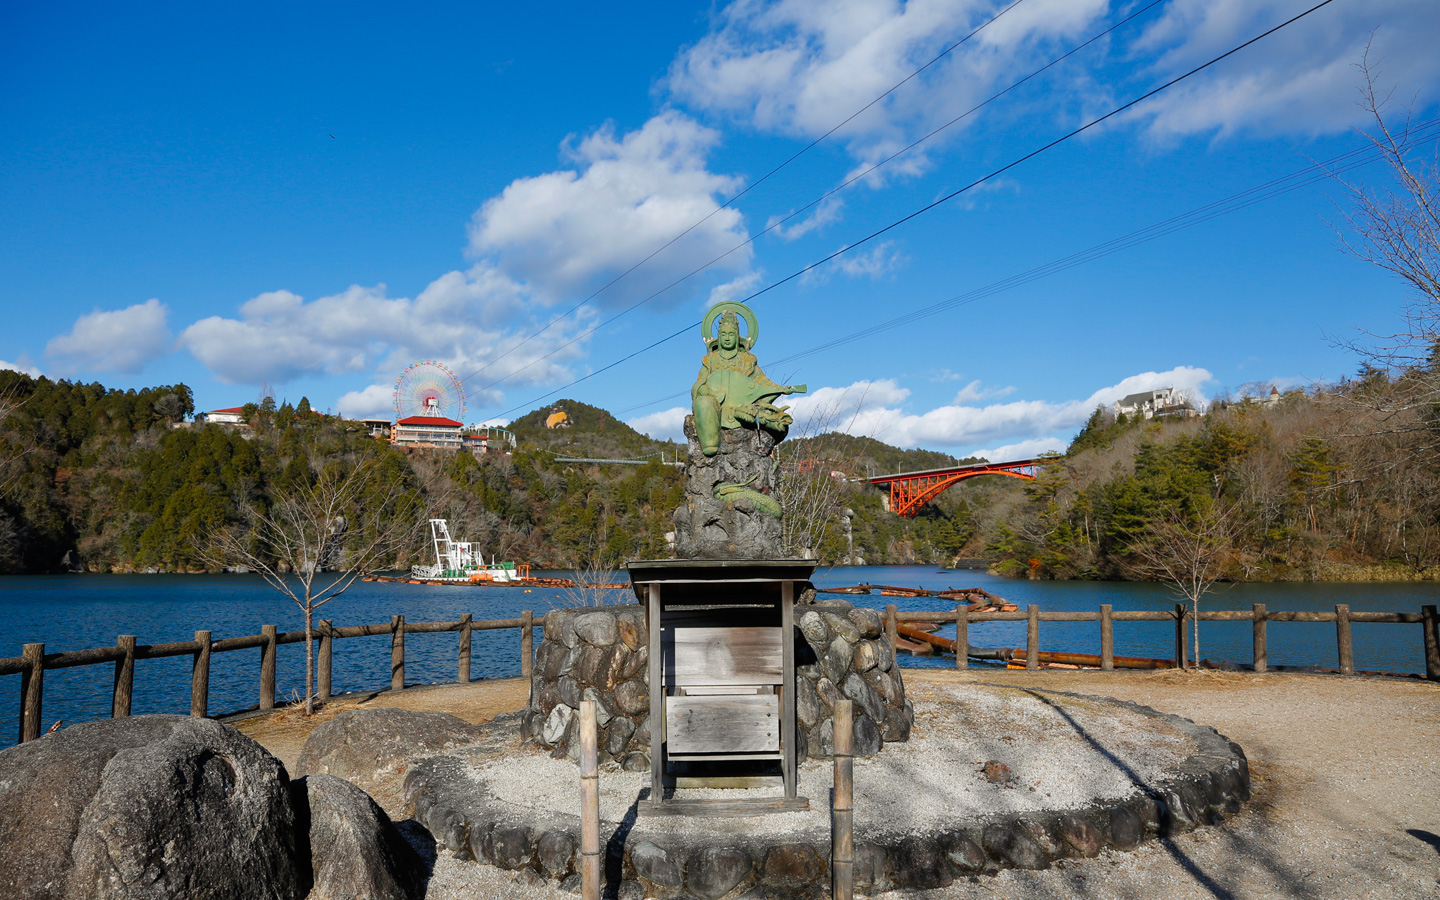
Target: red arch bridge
909	491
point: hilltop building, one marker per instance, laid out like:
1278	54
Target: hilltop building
233	417
488	439
376	428
1164	402
434	432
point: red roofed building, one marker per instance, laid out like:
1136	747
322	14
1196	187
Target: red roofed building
234	417
427	431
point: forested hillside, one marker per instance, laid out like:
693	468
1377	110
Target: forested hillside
1329	483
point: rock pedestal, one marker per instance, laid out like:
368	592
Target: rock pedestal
732	508
600	654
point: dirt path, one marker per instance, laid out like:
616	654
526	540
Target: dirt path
283	733
1346	777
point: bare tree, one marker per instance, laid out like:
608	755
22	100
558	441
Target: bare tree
809	492
1188	552
318	539
11	446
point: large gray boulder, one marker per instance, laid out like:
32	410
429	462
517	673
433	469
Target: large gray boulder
374	746
356	853
149	807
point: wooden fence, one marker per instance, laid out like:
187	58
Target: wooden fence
1258	616
33	663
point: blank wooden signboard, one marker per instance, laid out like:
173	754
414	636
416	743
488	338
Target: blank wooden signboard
713	724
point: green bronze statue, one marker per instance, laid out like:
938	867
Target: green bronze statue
731	390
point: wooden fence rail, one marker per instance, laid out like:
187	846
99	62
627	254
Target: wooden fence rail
1183	617
32	664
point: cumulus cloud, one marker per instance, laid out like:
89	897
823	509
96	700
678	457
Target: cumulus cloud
373	402
802	67
567	233
21	368
121	340
666	425
977	391
1031	426
467	319
1301	79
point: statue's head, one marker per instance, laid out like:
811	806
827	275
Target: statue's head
725	318
728	331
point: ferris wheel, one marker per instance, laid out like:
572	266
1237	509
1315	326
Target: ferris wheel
429	389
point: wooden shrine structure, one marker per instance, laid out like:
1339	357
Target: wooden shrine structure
722	681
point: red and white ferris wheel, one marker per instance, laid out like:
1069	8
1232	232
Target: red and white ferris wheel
428	388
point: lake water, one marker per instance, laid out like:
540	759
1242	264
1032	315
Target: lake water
77	612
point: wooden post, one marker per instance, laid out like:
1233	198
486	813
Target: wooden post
1107	637
124	677
397	653
1182	658
326	660
589	804
962	635
890	622
842	806
1343	644
464	674
1257	619
788	775
1032	637
200	677
527	644
1430	621
657	696
32	691
267	667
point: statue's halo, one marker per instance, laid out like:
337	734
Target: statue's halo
728	305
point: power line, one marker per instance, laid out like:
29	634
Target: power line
844	185
942	200
766	177
1421	134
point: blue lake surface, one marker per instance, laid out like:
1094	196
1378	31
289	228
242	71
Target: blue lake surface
76	612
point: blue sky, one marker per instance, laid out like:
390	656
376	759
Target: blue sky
313	198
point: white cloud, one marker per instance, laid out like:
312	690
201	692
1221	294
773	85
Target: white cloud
122	340
21	368
1301	79
567	233
1020	427
976	391
801	67
666	425
373	402
1022	449
468	320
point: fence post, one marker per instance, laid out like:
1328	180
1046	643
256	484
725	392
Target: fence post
200	677
589	804
1257	618
397	653
1430	621
1032	637
527	644
1182	658
326	660
463	673
1107	637
892	633
962	635
1343	646
32	691
124	677
267	667
842	806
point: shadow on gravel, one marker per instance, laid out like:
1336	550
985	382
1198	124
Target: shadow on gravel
1428	837
1240	845
615	847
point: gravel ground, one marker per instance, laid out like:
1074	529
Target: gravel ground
1346	780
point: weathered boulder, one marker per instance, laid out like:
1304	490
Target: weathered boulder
355	850
147	806
739	526
367	746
